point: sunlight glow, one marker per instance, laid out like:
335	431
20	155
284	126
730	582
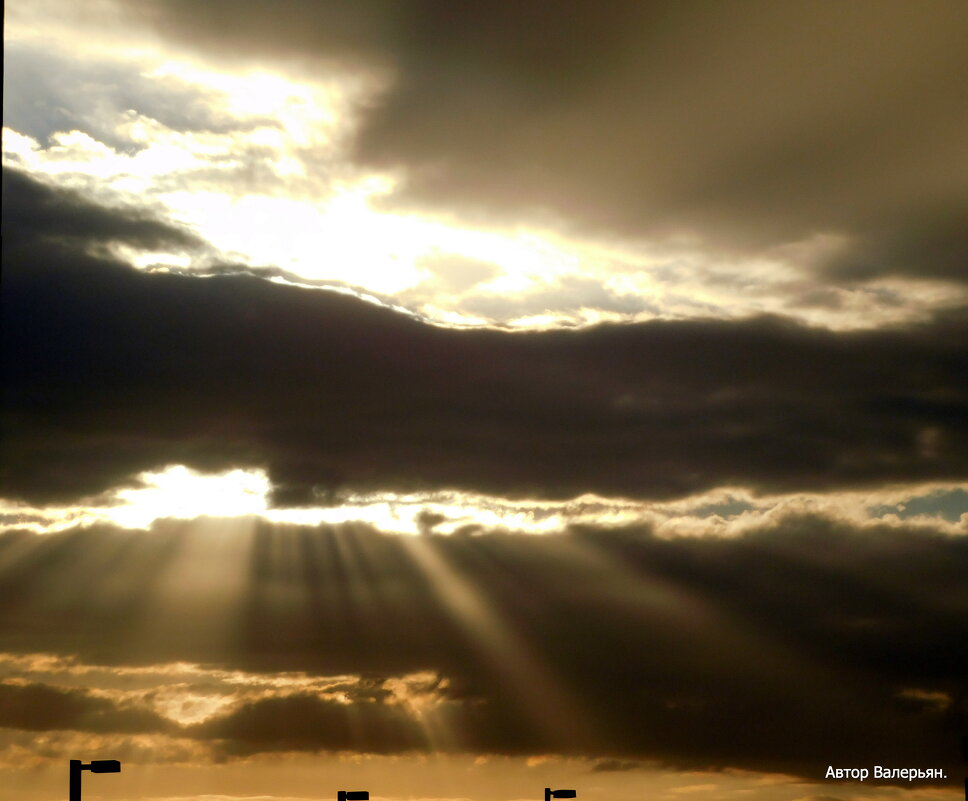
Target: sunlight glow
180	492
188	693
551	705
273	185
300	110
267	175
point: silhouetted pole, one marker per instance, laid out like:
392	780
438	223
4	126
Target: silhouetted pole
964	757
75	785
95	766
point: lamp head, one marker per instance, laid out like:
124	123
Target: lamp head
105	766
354	795
562	794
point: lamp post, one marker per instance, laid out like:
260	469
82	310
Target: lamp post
351	795
964	756
95	766
549	794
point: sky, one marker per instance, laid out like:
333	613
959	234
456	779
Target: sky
454	400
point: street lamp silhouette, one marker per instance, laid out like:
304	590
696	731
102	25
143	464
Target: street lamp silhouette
353	795
549	794
964	756
95	766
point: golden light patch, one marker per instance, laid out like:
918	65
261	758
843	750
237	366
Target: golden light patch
180	492
188	694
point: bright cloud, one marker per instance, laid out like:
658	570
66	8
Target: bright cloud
182	493
260	165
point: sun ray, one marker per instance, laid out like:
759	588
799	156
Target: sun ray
553	709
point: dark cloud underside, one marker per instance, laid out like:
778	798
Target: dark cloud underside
802	642
748	124
108	371
40	215
38	707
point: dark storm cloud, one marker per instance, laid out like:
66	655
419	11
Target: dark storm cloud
803	642
39	707
749	124
108	371
43	221
933	245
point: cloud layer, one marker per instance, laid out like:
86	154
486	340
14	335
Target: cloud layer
697	653
109	372
489	164
747	127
